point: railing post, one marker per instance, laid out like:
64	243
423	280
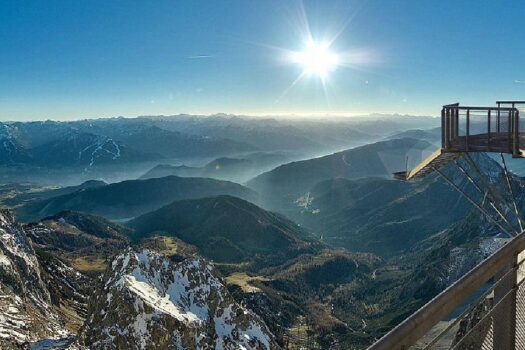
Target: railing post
443	129
516	144
452	119
488	130
456	121
447	128
505	315
467	132
498	119
510	130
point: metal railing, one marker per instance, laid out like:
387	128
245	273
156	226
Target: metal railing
481	129
495	319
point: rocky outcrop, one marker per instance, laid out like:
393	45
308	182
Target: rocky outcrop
28	311
147	301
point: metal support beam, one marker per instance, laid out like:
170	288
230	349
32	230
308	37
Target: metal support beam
471	201
511	191
484	195
493	192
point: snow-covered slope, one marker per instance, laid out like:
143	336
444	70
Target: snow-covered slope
149	302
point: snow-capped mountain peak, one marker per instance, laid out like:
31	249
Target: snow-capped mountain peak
147	300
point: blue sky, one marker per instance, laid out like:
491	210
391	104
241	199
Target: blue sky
78	59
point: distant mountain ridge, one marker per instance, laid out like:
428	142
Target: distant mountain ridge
237	169
124	200
57	145
432	136
52	144
374	160
322	134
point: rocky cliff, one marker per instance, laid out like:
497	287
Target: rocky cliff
147	301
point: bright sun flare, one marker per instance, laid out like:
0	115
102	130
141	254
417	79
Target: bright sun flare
317	59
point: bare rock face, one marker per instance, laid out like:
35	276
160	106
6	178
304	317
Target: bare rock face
144	300
28	312
147	301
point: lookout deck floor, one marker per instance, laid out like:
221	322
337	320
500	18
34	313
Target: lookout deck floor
497	142
434	161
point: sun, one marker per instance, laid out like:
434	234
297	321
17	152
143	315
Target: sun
316	59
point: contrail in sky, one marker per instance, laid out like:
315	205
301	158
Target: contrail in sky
199	56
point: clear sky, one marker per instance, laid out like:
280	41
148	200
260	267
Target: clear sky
77	59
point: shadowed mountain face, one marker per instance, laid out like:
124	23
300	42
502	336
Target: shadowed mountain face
40	296
375	160
379	215
337	197
131	198
226	229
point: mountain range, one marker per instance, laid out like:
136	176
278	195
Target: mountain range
127	199
284	184
113	148
224	168
144	299
315	251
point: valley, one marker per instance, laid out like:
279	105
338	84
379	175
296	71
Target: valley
320	249
262	175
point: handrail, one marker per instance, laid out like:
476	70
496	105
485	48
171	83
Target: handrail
418	324
478	108
511	102
492	140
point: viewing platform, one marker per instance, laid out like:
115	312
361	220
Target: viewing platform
485	308
474	129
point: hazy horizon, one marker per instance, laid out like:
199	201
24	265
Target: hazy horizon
318	116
